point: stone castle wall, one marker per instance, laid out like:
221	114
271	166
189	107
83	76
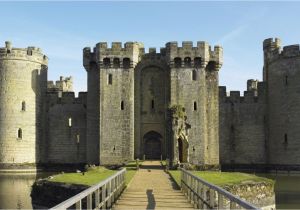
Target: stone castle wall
195	87
23	83
282	74
116	99
151	97
66	133
129	95
243	126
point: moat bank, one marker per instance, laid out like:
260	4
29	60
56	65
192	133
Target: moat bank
16	188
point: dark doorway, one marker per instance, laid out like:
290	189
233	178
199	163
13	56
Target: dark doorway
182	150
152	145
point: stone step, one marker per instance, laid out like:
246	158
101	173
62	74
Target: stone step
170	200
156	204
155	193
140	207
156	196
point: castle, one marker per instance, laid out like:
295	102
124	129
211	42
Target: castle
151	105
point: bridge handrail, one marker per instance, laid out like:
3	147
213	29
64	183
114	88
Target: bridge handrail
201	192
111	188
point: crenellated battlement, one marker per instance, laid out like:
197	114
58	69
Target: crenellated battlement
197	56
62	85
250	96
116	56
32	54
54	98
273	51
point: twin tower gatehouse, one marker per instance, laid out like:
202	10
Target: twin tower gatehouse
151	105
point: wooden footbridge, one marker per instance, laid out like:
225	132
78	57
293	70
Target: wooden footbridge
152	188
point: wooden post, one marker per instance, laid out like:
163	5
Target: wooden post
220	201
204	197
97	196
89	201
137	164
104	196
196	193
109	194
211	198
78	205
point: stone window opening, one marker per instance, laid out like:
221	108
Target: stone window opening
126	63
20	133
109	79
177	62
187	62
194	75
122	105
23	106
152	104
285	139
286	80
211	66
106	62
195	106
116	63
77	138
70	122
197	62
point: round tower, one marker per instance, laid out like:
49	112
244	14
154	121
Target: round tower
23	83
282	73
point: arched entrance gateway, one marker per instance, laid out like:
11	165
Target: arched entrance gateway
152	145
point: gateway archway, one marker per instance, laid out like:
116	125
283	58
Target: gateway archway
152	145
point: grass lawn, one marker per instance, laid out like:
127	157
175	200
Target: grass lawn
95	175
91	177
223	178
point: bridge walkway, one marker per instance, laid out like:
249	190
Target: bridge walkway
152	188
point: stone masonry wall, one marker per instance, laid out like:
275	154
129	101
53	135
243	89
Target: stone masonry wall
23	78
242	127
189	88
66	128
283	88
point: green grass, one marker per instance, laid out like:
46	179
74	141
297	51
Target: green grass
224	178
91	177
163	163
95	175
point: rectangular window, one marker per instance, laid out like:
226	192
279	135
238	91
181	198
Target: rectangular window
20	133
109	79
152	104
285	138
122	105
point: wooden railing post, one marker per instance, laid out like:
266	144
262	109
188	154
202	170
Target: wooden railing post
78	205
89	201
97	198
104	196
211	198
220	201
205	195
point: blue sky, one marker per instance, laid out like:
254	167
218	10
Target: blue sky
63	29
